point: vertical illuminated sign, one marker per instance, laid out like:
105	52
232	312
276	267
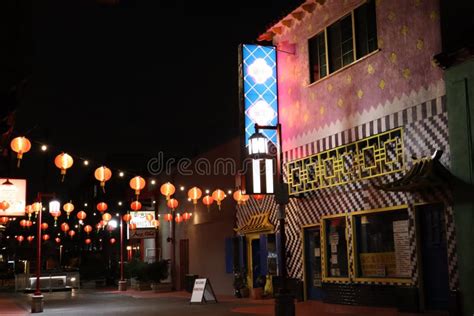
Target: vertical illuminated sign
258	89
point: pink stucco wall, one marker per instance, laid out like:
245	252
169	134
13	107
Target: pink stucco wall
408	37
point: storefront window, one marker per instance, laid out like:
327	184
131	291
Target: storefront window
382	244
336	263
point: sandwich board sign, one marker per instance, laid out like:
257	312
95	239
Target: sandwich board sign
202	292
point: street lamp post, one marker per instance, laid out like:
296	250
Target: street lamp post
122	282
37	299
258	149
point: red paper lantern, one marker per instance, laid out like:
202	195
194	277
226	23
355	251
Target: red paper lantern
29	223
20	145
149	217
186	216
81	215
136	206
44	226
112	241
106	217
258	197
4	220
218	195
102	207
167	189
23	223
29	210
137	183
20	238
71	233
4	205
172	204
87	241
64	227
103	174
63	162
207	200
45	237
88	229
57	240
126	218
239	197
132	226
194	194
30	238
68	208
155	223
168	217
178	218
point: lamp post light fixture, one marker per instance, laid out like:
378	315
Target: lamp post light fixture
37	299
258	147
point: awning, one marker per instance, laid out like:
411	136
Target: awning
256	224
426	172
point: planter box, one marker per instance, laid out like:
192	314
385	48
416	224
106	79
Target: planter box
140	285
162	287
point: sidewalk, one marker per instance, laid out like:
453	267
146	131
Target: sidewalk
9	307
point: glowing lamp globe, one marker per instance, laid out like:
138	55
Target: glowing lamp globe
102	207
20	145
149	217
63	162
137	183
127	217
194	194
167	189
81	215
240	198
112	241
88	229
87	241
30	238
103	174
172	203
106	217
218	195
168	217
20	238
71	233
44	226
68	208
57	240
54	207
45	237
136	206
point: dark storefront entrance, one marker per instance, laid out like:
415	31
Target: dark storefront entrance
434	256
312	257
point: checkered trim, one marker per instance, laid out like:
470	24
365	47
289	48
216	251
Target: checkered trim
426	129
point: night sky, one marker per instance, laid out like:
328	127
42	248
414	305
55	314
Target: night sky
123	82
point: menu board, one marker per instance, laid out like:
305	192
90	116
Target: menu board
402	248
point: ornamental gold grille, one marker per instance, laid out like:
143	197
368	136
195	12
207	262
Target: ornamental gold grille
367	158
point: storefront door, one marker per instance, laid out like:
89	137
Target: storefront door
312	253
435	259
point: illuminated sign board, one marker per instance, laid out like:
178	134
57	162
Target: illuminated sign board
12	197
139	218
258	89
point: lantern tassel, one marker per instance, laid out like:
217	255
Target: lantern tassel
18	163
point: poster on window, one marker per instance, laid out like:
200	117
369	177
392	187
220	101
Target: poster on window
402	248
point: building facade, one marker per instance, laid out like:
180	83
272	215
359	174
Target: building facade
366	153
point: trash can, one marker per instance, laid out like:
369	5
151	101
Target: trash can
189	282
